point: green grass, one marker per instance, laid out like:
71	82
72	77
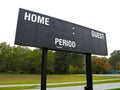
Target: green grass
19	79
65	85
35	78
65	78
6	79
115	89
18	88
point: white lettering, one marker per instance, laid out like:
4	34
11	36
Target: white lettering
27	16
40	20
33	18
36	18
47	21
73	44
96	34
60	42
56	40
63	42
70	44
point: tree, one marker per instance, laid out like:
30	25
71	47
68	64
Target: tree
107	66
51	62
20	59
61	65
115	59
36	61
98	64
5	57
76	63
69	62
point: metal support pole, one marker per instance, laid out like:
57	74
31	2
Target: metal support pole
89	73
44	69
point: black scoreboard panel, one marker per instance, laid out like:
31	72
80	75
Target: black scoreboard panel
38	30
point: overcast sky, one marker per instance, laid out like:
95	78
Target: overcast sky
101	15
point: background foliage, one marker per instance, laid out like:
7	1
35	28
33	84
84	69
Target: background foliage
19	59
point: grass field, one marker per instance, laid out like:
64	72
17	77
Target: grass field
115	89
7	79
18	88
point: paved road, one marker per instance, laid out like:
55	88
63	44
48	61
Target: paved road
95	87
